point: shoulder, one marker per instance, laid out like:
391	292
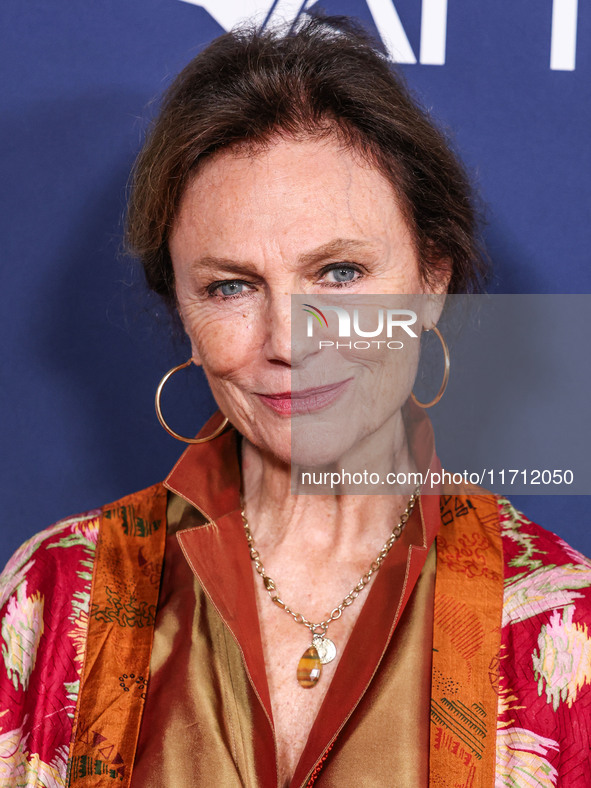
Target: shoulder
36	565
60	558
544	577
44	601
530	548
45	608
545	659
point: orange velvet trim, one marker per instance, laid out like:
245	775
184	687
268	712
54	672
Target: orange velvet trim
123	604
466	643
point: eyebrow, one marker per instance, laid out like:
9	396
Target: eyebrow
339	247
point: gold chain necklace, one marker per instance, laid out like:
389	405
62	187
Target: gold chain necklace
322	649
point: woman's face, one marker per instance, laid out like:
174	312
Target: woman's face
303	217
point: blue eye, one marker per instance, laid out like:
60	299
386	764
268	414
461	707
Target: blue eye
228	289
231	288
341	274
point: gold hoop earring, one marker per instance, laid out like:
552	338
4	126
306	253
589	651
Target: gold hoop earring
174	434
443	386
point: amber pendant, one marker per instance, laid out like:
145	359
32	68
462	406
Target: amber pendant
309	668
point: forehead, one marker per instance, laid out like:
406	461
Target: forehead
292	193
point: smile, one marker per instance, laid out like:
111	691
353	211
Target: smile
292	403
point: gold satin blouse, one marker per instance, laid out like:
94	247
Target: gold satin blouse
207	718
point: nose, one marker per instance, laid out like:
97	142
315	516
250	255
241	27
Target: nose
279	328
282	346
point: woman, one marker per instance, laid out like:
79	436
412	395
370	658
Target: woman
281	165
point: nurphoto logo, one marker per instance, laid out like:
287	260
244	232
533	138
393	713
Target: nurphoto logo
348	322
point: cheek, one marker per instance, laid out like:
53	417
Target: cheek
390	371
225	346
400	370
383	377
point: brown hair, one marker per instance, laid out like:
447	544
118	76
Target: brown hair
325	77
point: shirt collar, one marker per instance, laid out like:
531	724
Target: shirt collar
207	475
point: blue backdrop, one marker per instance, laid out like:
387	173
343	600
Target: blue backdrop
83	346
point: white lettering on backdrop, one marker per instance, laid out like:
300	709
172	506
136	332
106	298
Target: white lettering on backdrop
563	43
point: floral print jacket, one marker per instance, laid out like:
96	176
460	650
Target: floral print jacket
538	662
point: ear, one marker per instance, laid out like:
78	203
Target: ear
432	309
435	292
195	355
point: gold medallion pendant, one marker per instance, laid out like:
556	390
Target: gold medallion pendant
326	649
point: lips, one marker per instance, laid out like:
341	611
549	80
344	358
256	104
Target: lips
290	403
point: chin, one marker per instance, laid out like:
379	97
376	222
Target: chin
318	448
296	444
275	443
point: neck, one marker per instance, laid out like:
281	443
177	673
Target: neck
337	521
